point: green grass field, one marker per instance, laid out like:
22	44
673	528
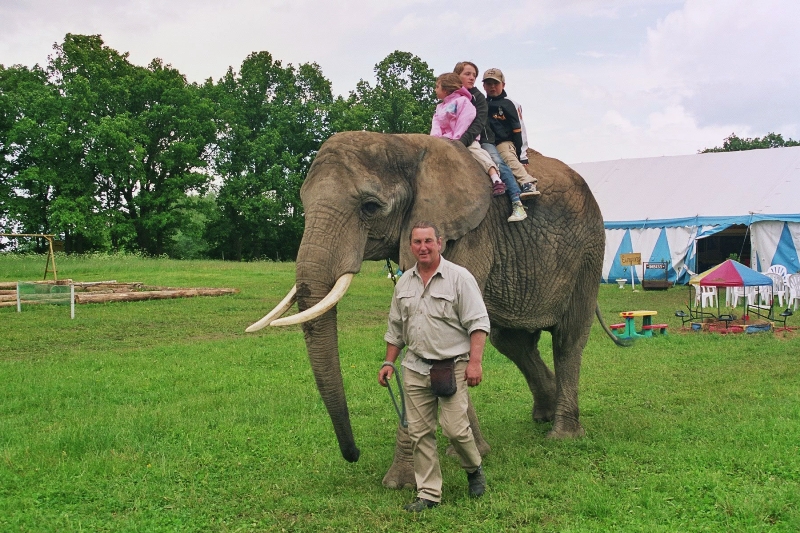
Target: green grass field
166	416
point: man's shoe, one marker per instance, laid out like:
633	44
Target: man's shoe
517	212
528	191
419	505
477	483
498	188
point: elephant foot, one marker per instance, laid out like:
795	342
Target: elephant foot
562	431
401	473
543	414
400	476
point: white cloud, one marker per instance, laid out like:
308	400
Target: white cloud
737	59
599	79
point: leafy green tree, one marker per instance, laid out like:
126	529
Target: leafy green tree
188	241
29	131
733	143
402	100
271	121
138	138
100	150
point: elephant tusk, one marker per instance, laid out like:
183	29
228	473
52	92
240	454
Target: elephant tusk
331	299
281	308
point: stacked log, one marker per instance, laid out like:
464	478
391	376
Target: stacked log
110	291
85	298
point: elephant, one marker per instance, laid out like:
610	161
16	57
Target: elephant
363	193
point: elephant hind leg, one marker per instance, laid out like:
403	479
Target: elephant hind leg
522	348
567	354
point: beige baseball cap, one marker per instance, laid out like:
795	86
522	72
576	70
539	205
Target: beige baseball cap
494	74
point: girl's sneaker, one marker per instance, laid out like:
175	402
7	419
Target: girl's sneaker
517	212
498	188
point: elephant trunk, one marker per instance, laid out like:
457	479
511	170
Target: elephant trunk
315	280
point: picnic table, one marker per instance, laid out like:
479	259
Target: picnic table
629	326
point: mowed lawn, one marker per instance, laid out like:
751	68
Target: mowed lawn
166	416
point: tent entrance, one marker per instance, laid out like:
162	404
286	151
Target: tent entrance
716	248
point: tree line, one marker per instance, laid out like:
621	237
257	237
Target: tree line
734	143
111	156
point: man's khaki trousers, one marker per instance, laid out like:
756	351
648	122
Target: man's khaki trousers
421	410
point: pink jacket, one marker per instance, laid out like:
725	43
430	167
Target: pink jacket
453	115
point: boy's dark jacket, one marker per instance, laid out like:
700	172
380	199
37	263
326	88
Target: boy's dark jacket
504	121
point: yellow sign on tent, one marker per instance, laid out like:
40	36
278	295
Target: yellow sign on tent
630	259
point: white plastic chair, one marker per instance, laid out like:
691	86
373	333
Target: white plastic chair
747	294
697	295
778	286
754	292
794	290
708	296
734	294
779	270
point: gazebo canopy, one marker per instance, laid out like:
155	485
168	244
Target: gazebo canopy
730	274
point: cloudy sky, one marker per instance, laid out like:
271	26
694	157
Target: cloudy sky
598	79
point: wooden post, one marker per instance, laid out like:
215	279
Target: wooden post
50	257
631	260
50	254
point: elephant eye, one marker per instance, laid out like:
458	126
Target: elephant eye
370	208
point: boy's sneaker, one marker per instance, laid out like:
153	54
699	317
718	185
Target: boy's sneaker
498	188
517	212
528	190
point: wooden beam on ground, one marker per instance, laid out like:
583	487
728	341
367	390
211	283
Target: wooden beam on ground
9	298
84	297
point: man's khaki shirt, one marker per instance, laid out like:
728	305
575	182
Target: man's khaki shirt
436	321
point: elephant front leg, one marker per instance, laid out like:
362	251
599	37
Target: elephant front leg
401	473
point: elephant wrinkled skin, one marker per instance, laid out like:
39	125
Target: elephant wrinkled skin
363	193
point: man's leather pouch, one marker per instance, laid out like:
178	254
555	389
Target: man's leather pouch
443	377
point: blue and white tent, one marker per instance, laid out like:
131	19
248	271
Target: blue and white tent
662	206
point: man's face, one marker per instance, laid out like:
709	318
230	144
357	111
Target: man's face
493	87
425	246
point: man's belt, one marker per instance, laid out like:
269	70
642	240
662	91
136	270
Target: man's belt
434	361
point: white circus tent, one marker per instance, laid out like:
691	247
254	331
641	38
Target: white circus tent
694	211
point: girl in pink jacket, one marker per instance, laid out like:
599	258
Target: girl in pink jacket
453	116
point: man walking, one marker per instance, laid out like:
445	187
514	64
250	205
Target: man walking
437	312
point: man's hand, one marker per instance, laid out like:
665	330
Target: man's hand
474	373
384	375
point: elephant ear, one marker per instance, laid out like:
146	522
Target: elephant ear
451	190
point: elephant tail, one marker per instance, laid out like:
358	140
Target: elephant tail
619	342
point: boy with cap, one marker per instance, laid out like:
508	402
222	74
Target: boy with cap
507	127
